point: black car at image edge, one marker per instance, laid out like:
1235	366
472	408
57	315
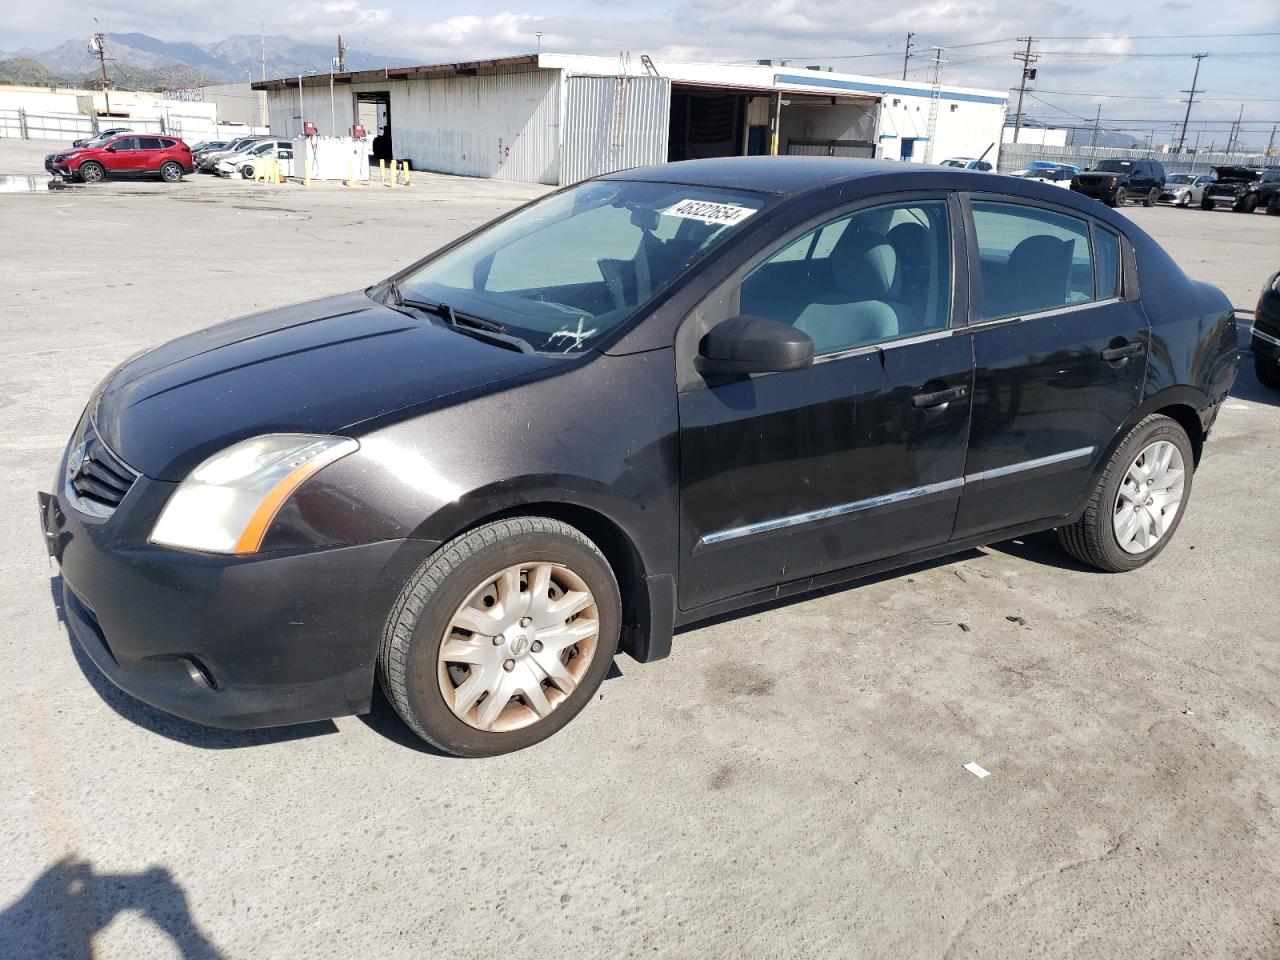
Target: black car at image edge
1264	339
636	403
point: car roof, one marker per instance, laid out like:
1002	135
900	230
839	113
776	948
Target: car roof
780	175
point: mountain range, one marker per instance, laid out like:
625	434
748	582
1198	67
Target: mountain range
144	62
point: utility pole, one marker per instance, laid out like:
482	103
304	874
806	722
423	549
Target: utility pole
1271	141
1235	130
262	40
906	56
1097	120
1028	73
1191	98
98	48
342	55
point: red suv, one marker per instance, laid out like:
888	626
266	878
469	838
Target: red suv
129	155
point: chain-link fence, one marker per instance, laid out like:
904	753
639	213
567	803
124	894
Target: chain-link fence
1016	156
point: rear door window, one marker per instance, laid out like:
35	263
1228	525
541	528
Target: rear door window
1031	259
150	143
1106	255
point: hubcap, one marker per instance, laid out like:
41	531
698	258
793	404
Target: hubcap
518	646
1149	497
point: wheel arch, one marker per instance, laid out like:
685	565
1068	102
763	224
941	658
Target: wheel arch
648	596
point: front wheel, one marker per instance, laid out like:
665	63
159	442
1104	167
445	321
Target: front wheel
1121	196
1150	199
1206	204
1268	372
501	636
171	172
1137	501
1184	200
91	172
1248	204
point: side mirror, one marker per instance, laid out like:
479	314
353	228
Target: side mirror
747	344
110	149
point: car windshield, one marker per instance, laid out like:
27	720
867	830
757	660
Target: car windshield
563	272
1180	178
955	163
1114	166
262	148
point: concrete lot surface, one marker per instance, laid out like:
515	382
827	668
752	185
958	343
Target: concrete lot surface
787	784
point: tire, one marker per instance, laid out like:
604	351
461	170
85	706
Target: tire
1273	209
1248	203
1121	195
246	172
1268	372
1150	199
92	172
1206	204
170	172
1093	539
1184	201
460	582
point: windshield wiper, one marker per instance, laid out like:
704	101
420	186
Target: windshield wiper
479	327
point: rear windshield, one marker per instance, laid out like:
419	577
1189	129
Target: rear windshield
565	271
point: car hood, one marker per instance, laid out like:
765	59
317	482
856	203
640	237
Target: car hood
1236	174
320	367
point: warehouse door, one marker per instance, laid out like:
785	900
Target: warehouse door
612	123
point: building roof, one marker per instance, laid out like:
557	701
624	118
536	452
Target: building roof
746	77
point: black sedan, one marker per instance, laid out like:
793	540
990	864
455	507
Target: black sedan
633	404
1264	339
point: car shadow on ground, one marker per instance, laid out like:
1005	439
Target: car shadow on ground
167	725
1043	548
70	903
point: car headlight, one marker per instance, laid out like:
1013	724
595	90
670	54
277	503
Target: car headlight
228	502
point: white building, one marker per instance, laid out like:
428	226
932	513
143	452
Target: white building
559	118
67	113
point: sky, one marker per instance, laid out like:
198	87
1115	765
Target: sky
1132	59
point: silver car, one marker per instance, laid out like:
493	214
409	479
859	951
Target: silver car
1184	189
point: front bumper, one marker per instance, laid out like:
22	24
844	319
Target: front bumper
1103	192
280	638
1221	199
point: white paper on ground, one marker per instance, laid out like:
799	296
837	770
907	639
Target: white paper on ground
977	771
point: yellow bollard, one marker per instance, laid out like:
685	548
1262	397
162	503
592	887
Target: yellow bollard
259	171
407	181
306	169
382	171
395	174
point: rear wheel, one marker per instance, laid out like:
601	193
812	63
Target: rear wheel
92	172
501	636
1137	501
1248	204
170	172
1152	196
1268	372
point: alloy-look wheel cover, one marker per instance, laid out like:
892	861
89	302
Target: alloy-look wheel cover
1149	498
518	646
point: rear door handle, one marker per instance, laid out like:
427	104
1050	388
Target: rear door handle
938	397
1122	352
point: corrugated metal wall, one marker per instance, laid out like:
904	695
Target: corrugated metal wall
503	125
613	123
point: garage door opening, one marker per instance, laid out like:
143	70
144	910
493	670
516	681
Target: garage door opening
827	126
373	112
714	122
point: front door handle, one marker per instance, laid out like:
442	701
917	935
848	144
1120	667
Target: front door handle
938	397
1123	352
